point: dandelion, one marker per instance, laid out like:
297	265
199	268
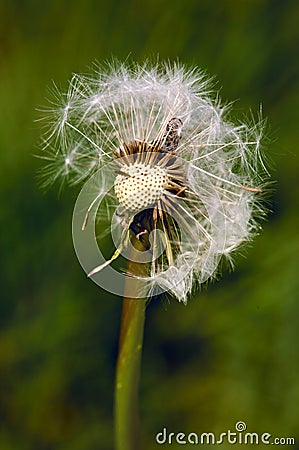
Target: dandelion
174	151
186	181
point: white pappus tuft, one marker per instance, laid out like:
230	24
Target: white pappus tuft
181	167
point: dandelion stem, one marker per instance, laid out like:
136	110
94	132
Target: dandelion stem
129	361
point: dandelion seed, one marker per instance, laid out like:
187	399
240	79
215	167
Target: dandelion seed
181	167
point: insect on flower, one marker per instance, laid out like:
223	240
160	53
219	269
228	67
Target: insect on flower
185	180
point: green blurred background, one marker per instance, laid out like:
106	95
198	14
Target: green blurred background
233	353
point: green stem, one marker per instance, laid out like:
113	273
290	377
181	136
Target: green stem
128	364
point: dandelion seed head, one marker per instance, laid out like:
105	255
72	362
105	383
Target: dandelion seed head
175	151
141	186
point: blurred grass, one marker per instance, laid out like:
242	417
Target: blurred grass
231	354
